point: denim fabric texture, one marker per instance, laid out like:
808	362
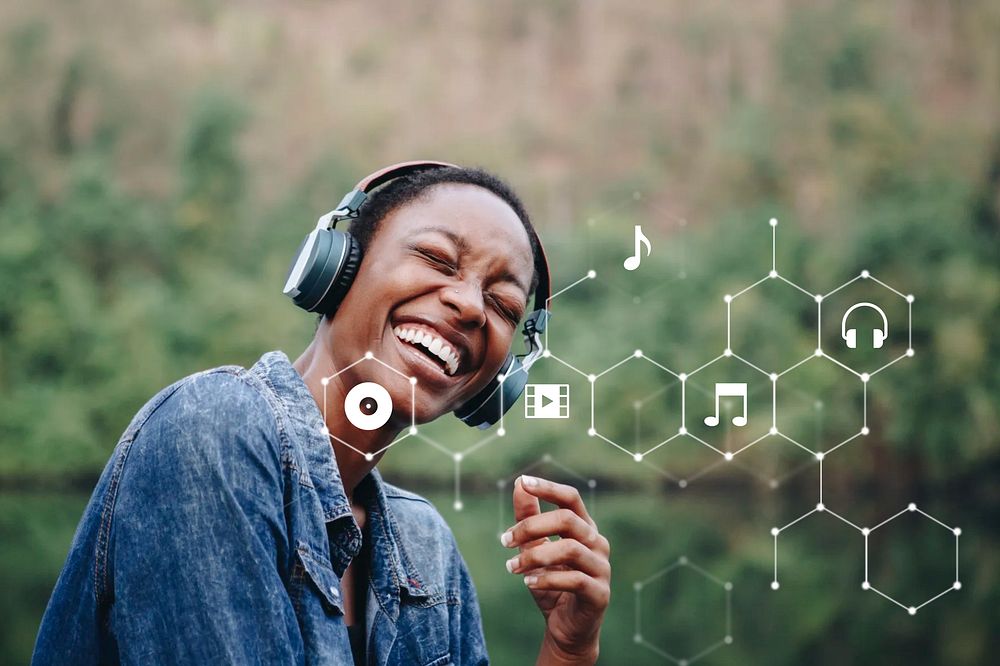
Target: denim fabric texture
219	532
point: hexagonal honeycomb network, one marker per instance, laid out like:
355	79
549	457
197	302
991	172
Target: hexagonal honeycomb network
731	412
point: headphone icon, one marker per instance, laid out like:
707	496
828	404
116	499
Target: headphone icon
326	262
851	335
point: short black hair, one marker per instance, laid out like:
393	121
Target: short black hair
404	190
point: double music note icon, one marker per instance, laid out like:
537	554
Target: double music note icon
729	390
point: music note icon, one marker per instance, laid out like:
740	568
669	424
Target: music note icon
729	390
632	262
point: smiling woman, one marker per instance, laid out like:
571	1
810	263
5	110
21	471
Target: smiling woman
241	518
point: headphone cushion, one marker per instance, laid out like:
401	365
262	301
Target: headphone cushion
493	400
878	337
852	338
340	281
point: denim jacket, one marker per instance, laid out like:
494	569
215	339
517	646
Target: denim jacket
219	532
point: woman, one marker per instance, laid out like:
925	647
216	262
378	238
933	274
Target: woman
241	518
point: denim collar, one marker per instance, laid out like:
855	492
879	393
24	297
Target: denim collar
323	474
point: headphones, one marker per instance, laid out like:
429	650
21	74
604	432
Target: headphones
327	261
878	335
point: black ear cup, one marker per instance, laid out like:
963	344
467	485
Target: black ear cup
486	407
323	269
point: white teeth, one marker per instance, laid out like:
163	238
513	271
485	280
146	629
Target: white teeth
436	345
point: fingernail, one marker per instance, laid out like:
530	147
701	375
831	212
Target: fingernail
512	564
530	580
528	481
507	538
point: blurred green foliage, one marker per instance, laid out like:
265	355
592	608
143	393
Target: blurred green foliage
146	225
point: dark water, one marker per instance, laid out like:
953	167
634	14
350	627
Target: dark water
820	615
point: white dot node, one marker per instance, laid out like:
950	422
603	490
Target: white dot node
728	639
324	381
457	457
682	431
413	381
957	585
637	587
682	662
682	275
773	376
728	586
772	274
820	455
910	352
818	298
637	353
865	531
637	457
773	483
957	531
547	457
865	430
636	405
774	585
683	483
774	531
909	298
682	560
911	507
591	483
501	483
501	378
501	432
727	352
413	430
546	353
369	457
729	455
772	431
865	274
773	221
865	585
637	195
865	377
591	432
821	507
637	638
458	505
911	610
369	355
636	300
591	378
683	376
818	352
591	274
728	298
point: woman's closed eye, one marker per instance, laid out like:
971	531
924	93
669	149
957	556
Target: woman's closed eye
508	311
437	259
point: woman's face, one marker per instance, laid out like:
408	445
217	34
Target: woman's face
451	269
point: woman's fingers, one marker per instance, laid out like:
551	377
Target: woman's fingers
559	494
525	506
565	552
597	591
558	522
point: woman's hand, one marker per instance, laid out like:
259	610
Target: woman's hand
570	578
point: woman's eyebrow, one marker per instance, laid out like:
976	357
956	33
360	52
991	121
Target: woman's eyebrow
463	246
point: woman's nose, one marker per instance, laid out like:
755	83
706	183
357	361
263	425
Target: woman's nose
466	299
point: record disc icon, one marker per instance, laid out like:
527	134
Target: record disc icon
368	406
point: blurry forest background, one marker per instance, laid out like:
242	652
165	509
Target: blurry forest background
160	161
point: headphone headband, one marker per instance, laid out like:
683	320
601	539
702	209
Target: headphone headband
843	320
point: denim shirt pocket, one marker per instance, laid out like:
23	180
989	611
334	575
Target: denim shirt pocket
320	577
